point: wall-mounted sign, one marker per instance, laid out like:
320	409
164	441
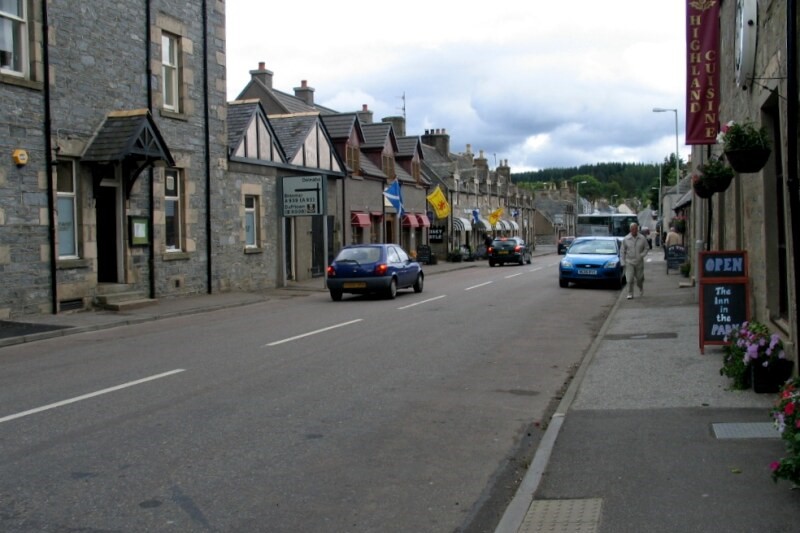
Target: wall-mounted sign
436	234
138	234
303	196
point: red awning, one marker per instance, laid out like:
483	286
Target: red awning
410	221
360	219
377	214
423	221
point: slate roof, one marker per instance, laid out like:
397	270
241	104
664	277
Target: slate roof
408	146
128	134
292	131
375	135
341	125
368	168
240	114
288	103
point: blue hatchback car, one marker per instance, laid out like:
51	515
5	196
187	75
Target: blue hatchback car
592	260
373	268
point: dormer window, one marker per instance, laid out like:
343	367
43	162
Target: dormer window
353	155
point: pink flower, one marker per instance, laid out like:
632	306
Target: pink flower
774	465
789	409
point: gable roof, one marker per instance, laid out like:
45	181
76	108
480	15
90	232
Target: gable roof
294	132
408	146
376	135
341	126
128	134
278	102
241	115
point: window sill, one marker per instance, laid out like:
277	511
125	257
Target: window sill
67	264
176	256
21	82
253	250
166	113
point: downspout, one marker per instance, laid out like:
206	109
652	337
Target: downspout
48	151
791	152
151	249
207	147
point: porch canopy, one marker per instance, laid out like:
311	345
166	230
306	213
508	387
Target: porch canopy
130	138
462	224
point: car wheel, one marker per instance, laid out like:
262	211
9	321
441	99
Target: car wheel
336	296
392	292
563	283
491	263
521	259
530	259
419	283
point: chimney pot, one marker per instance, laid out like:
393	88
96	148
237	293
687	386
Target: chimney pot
262	65
364	107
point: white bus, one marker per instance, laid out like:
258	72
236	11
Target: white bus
615	224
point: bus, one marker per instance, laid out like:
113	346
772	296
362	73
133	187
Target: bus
616	224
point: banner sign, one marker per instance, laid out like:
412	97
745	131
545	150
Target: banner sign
702	71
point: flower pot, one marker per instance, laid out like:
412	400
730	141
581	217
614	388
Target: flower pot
770	379
702	189
746	161
719	184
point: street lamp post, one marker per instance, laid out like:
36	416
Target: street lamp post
677	158
578	203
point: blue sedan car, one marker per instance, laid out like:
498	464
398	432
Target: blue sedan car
592	260
373	268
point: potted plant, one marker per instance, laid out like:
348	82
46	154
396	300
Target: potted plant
746	146
786	417
756	353
714	175
685	268
679	223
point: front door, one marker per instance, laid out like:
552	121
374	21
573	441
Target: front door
107	235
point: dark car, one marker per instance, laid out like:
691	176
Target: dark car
373	268
592	260
564	243
508	250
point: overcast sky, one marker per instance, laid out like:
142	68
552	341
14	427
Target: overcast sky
542	84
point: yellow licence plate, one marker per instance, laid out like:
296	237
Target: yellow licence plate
355	285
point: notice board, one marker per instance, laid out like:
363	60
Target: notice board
724	295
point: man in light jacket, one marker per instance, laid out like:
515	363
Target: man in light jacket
634	250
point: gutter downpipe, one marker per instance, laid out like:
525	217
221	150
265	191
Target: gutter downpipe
791	152
207	132
48	150
151	250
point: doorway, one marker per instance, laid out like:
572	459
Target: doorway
107	234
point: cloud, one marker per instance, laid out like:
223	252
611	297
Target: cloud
540	84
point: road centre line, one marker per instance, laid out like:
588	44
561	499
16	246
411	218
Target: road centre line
313	332
422	302
514	275
535	269
476	286
90	395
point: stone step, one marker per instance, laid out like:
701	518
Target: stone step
120	301
123	305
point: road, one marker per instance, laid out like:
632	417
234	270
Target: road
414	414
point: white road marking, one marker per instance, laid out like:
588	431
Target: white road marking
481	285
422	302
90	395
313	332
514	275
536	269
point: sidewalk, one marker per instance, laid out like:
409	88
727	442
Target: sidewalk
648	438
34	328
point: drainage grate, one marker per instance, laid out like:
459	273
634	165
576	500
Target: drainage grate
581	516
70	305
741	430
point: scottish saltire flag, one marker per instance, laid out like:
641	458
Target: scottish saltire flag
494	216
395	196
476	216
439	203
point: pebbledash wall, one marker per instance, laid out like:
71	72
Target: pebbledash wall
754	211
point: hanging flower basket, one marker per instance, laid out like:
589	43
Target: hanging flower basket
701	188
748	160
746	146
712	176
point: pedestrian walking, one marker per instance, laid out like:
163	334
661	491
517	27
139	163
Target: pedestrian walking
634	250
673	239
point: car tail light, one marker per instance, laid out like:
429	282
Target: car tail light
489	250
331	271
381	269
517	248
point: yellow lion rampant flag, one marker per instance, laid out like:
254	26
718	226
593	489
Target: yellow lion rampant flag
495	216
439	203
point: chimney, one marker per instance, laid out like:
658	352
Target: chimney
398	125
438	139
305	93
262	74
482	166
504	170
365	115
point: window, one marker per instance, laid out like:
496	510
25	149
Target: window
66	210
169	71
251	221
415	171
13	37
172	210
353	159
388	166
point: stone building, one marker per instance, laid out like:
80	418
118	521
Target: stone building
760	211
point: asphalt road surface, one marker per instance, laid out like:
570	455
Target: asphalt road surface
303	414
